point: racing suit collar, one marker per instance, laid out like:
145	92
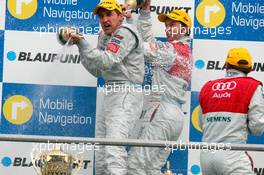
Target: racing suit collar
234	73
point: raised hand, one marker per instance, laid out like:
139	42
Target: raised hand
72	34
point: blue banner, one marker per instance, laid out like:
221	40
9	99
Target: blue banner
195	130
178	162
49	15
229	20
1	53
48	110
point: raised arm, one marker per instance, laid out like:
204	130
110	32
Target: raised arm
144	24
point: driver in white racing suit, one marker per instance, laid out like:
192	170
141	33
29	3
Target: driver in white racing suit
231	108
172	63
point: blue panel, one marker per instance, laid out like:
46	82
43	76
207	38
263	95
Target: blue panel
148	75
195	135
57	110
256	139
243	21
100	82
50	16
178	162
1	54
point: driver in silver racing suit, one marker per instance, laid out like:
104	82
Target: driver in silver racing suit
172	63
119	59
230	108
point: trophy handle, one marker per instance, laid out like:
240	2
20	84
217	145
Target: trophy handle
79	161
33	156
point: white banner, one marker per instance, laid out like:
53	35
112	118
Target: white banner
38	58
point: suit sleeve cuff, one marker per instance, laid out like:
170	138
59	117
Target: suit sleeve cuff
83	44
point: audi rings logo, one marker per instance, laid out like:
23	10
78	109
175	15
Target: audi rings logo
220	86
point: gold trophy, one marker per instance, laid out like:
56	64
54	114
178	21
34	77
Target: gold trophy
55	162
168	171
134	3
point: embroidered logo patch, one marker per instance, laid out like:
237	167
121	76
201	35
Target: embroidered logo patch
115	40
113	47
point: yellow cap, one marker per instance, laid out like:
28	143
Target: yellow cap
239	57
177	15
108	5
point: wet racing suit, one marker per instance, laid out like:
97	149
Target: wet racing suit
171	63
119	59
231	108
